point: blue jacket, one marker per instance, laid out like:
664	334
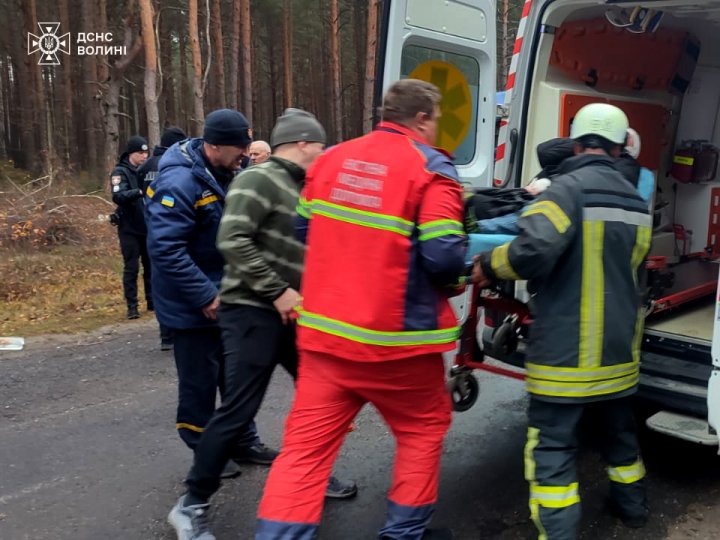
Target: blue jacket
183	211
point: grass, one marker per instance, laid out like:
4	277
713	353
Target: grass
66	290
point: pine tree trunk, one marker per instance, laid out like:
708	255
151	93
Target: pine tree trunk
39	104
3	114
287	53
198	114
359	83
183	78
247	105
150	86
68	131
218	53
91	92
233	92
168	69
335	69
370	52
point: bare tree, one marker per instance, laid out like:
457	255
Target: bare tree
111	99
150	88
337	107
235	55
247	62
370	53
199	115
218	53
287	53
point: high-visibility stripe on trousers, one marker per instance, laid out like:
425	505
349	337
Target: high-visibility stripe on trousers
410	395
550	453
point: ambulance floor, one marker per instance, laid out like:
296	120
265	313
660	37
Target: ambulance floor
693	320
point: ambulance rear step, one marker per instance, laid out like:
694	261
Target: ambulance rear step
683	427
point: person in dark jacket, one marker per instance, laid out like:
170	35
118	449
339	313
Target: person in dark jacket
127	194
581	247
183	208
146	174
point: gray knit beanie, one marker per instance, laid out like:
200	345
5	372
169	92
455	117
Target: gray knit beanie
296	125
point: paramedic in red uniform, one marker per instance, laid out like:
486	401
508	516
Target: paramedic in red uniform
381	215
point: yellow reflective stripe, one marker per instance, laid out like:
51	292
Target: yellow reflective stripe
206	200
683	160
627	474
640	249
592	295
535	516
150	193
190	427
533	439
366	219
552	212
500	263
581	389
304	208
578	374
554	496
440	227
377	337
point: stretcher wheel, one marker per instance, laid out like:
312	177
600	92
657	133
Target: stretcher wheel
505	339
464	391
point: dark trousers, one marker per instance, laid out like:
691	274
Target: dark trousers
134	249
255	341
199	361
550	456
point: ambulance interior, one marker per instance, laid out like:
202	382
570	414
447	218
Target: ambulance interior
668	83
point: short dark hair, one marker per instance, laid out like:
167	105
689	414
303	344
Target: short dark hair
407	97
597	142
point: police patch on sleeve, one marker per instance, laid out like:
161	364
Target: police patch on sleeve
115	180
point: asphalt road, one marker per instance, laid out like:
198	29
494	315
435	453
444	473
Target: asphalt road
88	451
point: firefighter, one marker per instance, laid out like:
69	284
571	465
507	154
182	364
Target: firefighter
581	245
382	218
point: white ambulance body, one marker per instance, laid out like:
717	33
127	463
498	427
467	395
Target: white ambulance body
659	61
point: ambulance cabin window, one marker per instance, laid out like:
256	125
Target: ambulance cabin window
458	78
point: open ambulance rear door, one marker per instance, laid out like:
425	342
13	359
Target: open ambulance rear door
452	44
714	385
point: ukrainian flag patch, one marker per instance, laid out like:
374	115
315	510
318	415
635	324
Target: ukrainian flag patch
167	201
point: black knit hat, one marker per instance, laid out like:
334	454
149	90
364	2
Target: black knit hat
226	127
172	135
136	143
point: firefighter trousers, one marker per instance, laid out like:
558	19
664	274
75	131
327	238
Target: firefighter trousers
550	455
411	397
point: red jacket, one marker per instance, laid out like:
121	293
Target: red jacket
382	218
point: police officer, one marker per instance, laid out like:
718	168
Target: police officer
127	194
183	208
581	245
147	173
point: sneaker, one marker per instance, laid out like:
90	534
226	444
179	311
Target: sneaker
337	489
166	345
631	521
231	470
259	454
133	313
190	522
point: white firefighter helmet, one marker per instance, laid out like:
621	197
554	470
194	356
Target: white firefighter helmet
600	119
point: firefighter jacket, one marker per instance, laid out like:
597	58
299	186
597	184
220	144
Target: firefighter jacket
382	218
183	211
580	246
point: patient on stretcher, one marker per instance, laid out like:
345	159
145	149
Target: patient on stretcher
492	215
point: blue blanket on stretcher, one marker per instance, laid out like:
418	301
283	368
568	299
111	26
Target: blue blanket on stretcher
477	243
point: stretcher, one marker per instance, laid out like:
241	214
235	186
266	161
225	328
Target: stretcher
668	287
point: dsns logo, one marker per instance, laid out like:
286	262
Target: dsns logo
49	43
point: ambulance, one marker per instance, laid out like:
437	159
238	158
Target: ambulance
658	60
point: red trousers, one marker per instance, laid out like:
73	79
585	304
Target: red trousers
410	394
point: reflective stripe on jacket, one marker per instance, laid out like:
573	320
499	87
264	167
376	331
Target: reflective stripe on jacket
580	246
382	215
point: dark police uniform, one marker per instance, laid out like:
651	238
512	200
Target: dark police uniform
128	196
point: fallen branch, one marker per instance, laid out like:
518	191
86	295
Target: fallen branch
81	196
